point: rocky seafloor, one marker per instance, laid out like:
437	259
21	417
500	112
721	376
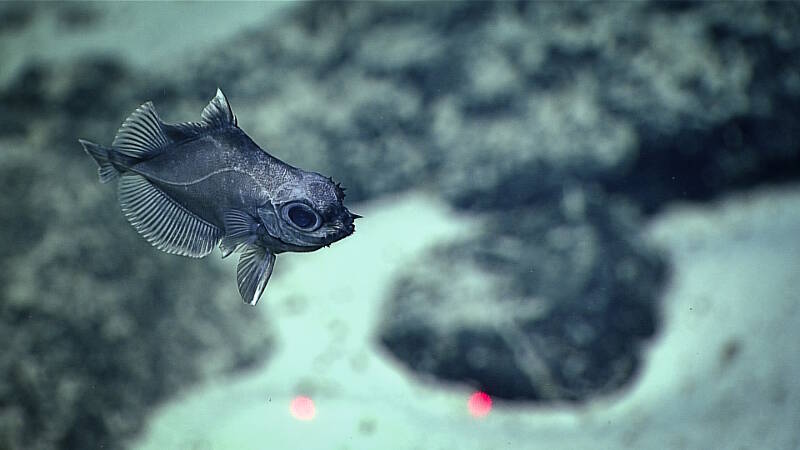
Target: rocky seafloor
558	131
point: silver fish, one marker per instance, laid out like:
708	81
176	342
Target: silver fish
188	187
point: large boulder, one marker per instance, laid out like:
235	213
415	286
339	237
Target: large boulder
550	302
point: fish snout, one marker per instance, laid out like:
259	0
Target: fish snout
349	221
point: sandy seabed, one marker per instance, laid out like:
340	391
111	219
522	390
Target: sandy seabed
721	374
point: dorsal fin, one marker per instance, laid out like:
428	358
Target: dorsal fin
141	135
218	112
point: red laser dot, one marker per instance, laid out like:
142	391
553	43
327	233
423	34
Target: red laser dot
479	404
302	408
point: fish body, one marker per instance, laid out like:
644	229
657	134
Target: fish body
189	187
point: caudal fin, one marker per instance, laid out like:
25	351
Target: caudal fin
101	156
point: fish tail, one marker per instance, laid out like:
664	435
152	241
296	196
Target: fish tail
103	157
141	137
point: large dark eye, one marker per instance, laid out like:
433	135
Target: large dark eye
302	216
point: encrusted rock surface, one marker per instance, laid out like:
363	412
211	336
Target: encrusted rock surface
549	303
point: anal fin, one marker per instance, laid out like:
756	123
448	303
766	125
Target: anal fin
164	223
253	272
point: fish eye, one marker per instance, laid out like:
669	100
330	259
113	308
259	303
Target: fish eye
302	216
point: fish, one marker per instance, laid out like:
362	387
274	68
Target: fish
189	187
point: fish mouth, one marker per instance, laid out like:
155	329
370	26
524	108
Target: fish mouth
342	231
349	222
345	227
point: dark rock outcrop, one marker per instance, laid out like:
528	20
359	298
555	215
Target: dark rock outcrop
548	302
472	99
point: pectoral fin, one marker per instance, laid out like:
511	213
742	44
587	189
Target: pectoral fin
253	272
240	229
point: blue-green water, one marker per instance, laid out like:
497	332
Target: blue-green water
580	228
